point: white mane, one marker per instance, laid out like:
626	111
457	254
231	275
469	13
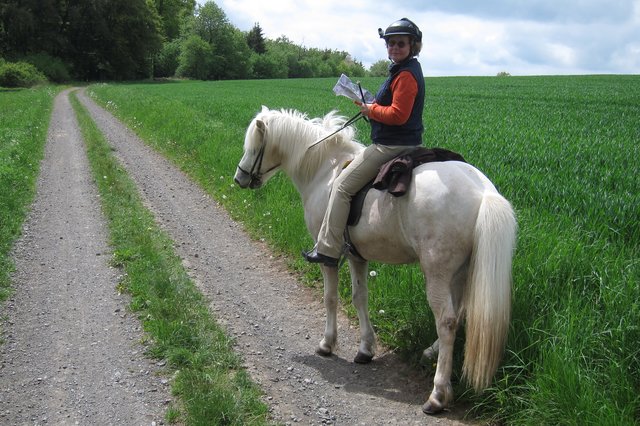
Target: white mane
292	133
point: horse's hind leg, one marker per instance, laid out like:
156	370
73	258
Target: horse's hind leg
360	298
329	341
444	292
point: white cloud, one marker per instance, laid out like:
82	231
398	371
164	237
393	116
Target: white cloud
466	37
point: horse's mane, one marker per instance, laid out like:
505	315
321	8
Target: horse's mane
293	133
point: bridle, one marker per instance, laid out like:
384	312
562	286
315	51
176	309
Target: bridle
255	174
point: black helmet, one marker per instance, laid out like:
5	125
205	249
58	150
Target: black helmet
402	27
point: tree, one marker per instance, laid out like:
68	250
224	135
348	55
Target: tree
172	13
196	59
112	39
230	52
255	40
238	62
116	38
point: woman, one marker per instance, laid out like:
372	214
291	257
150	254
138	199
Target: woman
396	128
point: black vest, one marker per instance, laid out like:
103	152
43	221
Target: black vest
410	133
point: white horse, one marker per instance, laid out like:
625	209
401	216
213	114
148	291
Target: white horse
452	221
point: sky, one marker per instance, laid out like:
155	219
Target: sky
463	37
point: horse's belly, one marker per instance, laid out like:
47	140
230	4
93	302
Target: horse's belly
380	233
382	245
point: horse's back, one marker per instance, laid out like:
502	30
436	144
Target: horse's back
455	175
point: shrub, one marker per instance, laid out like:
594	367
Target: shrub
20	74
380	68
53	68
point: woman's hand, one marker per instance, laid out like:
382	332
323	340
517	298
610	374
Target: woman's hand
364	108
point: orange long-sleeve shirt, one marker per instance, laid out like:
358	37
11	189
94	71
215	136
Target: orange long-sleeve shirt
405	89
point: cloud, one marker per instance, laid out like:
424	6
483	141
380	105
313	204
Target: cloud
579	11
465	37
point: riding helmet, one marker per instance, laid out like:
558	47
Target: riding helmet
402	27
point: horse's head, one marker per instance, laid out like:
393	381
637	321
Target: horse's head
258	163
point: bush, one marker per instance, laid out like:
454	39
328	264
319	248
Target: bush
167	60
20	74
269	66
53	68
380	69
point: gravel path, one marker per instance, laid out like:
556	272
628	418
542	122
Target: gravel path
276	321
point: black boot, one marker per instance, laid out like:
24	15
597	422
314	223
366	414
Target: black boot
314	257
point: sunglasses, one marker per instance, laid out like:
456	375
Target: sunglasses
401	44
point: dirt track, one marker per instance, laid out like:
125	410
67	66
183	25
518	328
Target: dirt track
72	352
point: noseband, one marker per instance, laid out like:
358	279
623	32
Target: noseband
255	174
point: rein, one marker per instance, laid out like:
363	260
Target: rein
349	122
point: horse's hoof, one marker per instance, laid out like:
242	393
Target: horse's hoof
362	358
438	401
432	407
322	351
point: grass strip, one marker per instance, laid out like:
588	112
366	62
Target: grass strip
209	380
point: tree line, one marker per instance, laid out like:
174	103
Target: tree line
141	39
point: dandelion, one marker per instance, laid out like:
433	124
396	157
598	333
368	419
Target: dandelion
381	311
224	197
373	273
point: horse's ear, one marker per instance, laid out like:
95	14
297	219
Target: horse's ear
264	109
261	126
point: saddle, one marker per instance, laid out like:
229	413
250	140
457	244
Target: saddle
395	176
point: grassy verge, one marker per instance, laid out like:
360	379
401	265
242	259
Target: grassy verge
211	384
24	119
562	149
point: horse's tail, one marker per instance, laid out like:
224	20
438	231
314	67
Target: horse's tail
487	299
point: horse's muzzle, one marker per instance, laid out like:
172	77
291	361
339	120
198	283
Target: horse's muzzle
245	180
242	179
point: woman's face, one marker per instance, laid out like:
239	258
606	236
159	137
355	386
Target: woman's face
398	48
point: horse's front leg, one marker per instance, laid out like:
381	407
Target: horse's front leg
329	342
360	298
